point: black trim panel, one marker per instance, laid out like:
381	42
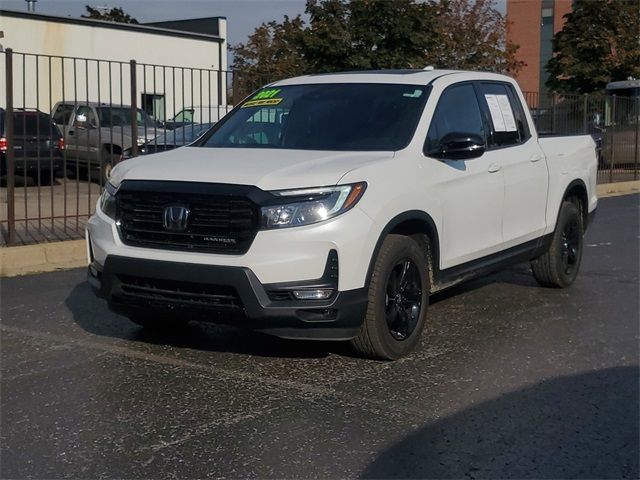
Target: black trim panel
338	318
476	268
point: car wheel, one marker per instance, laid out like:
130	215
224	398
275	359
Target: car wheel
398	297
558	267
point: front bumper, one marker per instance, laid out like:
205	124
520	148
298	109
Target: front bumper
227	294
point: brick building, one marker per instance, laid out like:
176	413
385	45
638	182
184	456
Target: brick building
532	24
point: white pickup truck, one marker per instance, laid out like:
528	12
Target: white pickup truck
331	206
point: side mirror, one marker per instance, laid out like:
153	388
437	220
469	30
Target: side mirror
461	146
81	119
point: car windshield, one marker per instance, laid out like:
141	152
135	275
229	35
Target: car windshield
120	116
342	116
182	135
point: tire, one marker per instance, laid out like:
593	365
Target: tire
157	321
558	267
397	308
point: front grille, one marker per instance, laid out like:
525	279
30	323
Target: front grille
190	294
217	223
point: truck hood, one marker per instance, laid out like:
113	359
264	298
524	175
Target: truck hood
268	169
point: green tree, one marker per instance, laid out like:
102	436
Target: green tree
369	34
599	43
376	34
473	36
111	15
272	52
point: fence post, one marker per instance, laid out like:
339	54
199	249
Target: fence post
613	137
11	179
134	110
637	146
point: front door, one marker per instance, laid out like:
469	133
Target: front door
471	191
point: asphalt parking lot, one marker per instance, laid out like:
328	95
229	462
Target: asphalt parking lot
510	380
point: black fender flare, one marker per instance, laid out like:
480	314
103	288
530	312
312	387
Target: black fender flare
432	231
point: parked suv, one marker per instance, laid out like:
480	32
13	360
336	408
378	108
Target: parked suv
332	206
37	145
96	134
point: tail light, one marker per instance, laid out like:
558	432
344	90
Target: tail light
4	144
61	144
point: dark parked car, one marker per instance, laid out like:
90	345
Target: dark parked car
172	139
37	144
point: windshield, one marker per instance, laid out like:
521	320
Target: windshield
182	135
344	116
119	116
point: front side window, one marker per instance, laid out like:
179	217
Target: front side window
457	113
87	112
63	114
343	116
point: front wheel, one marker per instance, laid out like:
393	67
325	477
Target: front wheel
558	267
398	297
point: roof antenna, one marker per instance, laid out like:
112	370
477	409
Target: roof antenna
429	68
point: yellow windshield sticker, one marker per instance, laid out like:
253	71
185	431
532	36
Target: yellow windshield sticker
262	102
269	93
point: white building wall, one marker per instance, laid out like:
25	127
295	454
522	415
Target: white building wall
188	71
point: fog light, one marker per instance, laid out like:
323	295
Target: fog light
319	294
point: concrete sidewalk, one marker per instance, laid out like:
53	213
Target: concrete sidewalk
48	257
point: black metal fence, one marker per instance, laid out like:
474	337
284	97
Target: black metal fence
66	121
612	121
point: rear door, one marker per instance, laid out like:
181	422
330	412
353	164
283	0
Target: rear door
526	176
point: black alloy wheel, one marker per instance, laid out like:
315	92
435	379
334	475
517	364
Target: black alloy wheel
403	299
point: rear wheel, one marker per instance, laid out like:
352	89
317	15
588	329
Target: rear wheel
558	267
398	297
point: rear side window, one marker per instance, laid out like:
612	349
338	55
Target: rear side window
457	112
33	124
503	112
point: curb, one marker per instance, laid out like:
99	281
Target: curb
43	257
621	188
49	257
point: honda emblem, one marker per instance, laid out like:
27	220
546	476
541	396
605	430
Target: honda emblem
175	218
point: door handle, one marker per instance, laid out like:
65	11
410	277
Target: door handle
70	132
494	167
535	158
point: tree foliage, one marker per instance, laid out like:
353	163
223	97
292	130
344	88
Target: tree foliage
346	35
111	15
272	52
599	43
473	35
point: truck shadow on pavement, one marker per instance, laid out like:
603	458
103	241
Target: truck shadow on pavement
581	426
93	315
